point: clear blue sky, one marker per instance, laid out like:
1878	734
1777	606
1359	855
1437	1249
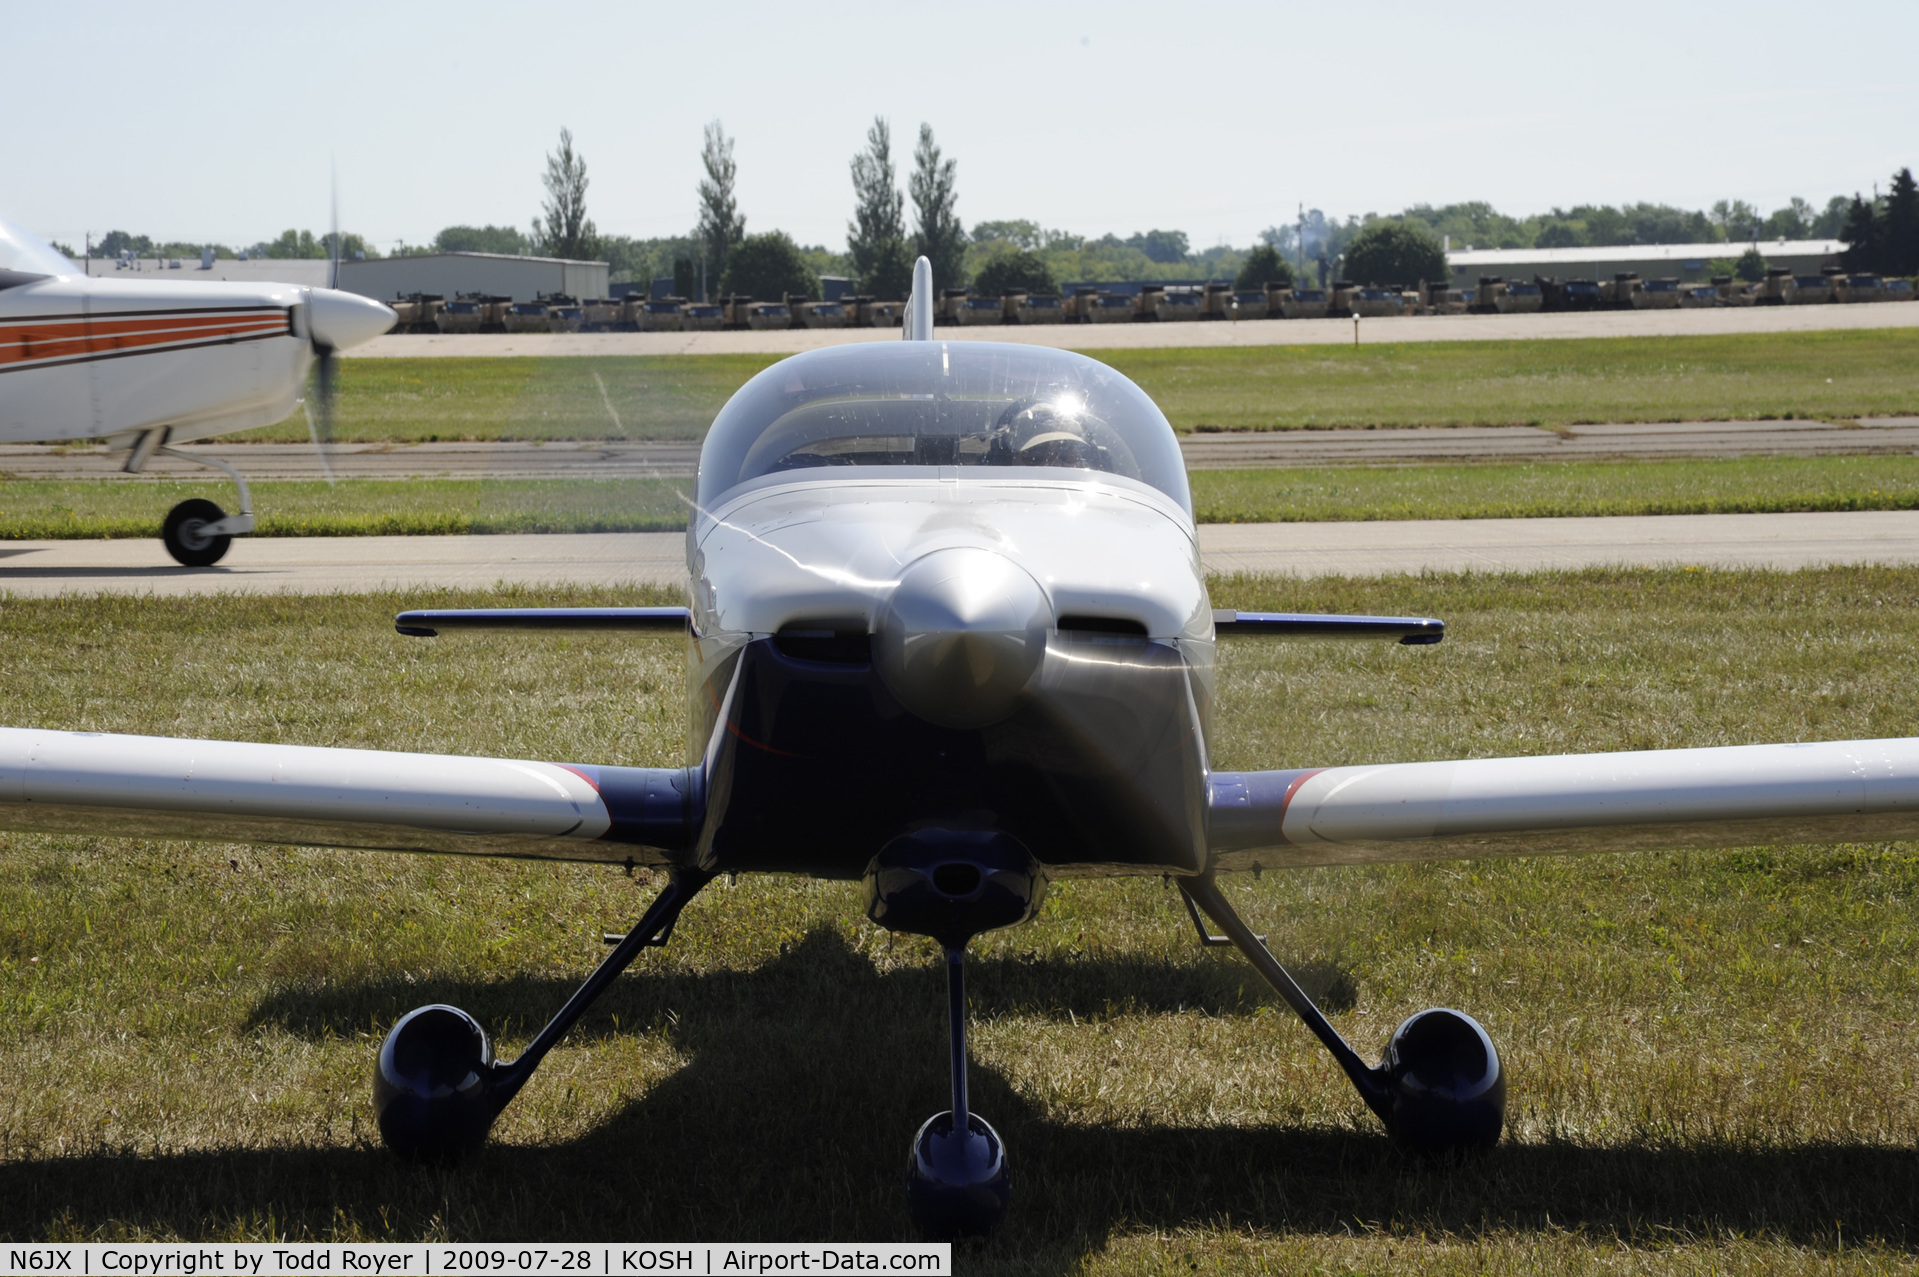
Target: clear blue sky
218	121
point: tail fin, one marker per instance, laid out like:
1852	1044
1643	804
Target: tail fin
917	324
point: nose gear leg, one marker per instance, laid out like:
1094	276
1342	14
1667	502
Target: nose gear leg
196	532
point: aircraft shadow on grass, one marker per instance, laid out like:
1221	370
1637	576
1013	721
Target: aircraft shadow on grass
805	1079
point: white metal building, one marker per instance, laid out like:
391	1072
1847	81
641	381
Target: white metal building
258	270
1648	261
498	274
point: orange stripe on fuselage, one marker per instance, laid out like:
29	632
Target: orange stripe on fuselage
32	340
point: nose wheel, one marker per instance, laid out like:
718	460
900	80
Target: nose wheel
956	1181
197	533
186	535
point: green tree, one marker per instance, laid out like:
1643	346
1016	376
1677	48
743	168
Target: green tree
291	244
305	245
1831	222
721	228
114	243
1861	234
626	258
938	236
876	237
481	239
1794	221
1899	228
1395	253
1263	266
767	268
1750	267
1019	232
1734	219
1020	271
564	228
1162	246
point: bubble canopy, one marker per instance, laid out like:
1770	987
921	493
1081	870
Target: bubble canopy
924	405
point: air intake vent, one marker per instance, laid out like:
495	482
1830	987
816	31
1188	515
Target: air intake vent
824	646
1101	625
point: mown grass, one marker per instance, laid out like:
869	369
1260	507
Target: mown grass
1712	1055
68	509
516	397
1830	376
83	508
1763	375
1531	490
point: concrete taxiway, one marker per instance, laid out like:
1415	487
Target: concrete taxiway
1280	449
320	565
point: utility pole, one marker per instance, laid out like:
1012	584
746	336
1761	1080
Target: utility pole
1299	244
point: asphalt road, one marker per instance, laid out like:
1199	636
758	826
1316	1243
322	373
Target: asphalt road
1278	449
1260	332
309	565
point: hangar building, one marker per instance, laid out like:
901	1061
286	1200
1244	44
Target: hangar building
1648	261
524	279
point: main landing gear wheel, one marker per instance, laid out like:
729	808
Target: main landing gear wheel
437	1087
186	537
1440	1090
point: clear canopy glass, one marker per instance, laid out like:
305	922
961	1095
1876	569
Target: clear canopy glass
23	251
930	404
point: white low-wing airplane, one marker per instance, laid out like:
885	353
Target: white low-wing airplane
146	364
950	637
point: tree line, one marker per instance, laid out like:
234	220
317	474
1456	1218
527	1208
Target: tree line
718	256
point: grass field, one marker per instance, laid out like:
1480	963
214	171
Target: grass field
1820	375
1712	1055
83	508
1543	383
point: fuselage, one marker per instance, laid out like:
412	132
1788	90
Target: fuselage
855	626
88	358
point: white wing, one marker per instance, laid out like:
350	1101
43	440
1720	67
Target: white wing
1733	796
156	787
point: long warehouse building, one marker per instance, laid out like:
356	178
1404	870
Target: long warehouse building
524	279
1648	261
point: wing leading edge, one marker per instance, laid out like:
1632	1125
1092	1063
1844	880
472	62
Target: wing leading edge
297	795
1833	791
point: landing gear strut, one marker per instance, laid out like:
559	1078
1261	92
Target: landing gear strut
196	532
956	1181
437	1087
1439	1088
952	884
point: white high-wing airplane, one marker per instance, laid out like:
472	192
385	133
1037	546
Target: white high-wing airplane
146	364
950	637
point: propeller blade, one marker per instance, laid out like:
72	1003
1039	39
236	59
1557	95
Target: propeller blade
320	423
333	236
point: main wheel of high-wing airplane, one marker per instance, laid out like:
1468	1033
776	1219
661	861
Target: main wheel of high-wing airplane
186	537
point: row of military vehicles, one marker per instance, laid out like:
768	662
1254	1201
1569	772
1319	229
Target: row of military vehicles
1152	303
